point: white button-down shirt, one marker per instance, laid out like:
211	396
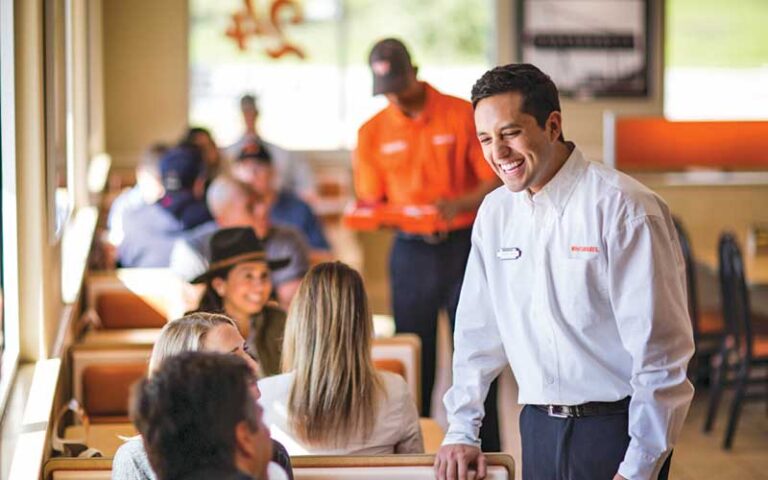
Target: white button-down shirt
581	289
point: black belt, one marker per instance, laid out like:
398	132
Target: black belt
433	239
589	409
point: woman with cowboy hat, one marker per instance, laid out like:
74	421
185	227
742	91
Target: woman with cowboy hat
238	284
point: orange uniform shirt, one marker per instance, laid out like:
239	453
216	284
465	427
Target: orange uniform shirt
416	161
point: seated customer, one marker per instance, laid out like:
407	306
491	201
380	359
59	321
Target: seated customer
203	332
147	190
198	419
332	401
202	139
293	173
238	283
254	167
150	231
235	204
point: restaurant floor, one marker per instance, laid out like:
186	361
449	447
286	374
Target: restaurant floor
697	456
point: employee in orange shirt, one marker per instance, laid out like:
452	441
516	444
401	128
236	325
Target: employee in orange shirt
423	150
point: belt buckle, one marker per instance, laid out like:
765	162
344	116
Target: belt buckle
557	414
436	238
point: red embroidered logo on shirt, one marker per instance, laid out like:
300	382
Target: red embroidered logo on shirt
580	248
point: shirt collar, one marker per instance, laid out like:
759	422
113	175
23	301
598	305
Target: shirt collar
559	189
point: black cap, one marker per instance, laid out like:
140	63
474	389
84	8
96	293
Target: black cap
255	152
232	246
391	65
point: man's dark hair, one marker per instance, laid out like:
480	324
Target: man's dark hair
255	152
540	97
189	136
188	410
248	101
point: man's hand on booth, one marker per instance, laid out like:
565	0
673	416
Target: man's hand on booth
453	462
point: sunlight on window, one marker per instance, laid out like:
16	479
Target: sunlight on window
716	60
320	102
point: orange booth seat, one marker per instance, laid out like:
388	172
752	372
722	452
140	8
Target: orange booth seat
647	144
107	388
405	349
127	310
103	372
390	365
132	297
102	377
414	467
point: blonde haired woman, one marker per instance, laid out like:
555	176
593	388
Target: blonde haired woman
332	400
207	332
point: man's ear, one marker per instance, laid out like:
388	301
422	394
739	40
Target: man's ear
245	446
554	126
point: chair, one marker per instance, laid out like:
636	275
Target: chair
414	467
102	376
406	349
132	298
500	467
708	326
62	468
741	349
392	365
107	388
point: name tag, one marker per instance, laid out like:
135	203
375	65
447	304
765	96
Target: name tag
512	253
444	139
393	147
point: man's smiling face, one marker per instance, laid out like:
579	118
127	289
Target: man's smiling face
518	149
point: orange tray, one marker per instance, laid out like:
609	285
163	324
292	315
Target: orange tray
416	219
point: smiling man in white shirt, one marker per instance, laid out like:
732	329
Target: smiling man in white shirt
576	280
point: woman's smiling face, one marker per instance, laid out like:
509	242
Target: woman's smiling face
246	288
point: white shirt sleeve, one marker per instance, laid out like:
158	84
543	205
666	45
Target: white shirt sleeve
478	351
648	296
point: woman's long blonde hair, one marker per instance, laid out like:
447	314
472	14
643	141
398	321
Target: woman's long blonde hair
328	345
185	334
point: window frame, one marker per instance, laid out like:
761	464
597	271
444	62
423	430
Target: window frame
10	307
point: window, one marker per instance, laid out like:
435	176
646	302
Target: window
9	322
319	102
716	60
57	107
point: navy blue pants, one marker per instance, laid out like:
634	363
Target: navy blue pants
426	277
586	448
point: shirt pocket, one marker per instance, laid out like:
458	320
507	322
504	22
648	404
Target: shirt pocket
582	291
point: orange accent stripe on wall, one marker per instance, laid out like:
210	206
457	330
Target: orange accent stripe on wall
654	144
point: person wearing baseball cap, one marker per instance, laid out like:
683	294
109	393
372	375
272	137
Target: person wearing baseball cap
182	171
151	230
422	149
292	169
254	166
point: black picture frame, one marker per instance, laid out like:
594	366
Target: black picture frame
590	48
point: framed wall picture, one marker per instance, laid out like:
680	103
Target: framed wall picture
590	48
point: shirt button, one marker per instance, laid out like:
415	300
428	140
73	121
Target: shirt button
550	379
